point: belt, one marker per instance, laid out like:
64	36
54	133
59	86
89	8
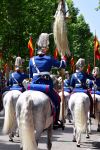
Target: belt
78	85
41	73
15	84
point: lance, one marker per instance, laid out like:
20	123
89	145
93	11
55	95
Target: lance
60	38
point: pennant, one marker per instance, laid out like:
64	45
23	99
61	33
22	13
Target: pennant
88	69
30	47
96	48
56	53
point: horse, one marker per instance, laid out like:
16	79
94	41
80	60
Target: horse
9	99
34	115
96	98
79	105
66	109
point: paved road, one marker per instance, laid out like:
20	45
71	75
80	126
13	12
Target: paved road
62	140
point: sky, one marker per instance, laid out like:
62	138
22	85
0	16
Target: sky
91	16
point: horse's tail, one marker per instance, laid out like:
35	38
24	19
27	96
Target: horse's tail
80	116
9	118
26	124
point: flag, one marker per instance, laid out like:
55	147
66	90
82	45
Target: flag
55	53
0	55
88	69
96	48
72	63
30	47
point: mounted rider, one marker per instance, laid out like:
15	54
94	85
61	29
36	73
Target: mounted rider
78	82
16	78
95	84
40	67
67	82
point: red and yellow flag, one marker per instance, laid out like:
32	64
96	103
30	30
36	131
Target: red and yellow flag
55	53
30	47
72	63
88	69
96	48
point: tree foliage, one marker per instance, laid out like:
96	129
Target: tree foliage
21	18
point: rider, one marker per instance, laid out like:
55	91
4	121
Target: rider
67	82
95	84
40	67
78	82
16	78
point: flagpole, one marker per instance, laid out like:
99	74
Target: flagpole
94	67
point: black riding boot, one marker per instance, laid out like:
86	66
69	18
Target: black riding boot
57	123
91	106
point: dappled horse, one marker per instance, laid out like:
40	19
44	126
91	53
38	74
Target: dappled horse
79	105
9	102
34	115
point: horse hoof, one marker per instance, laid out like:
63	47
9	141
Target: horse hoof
17	135
87	136
63	127
78	145
70	121
11	140
98	130
74	140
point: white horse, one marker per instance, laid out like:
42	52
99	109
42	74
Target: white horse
34	115
96	98
79	104
9	103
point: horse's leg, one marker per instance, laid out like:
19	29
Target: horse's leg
13	131
78	138
87	130
49	136
69	116
89	124
74	134
18	110
98	128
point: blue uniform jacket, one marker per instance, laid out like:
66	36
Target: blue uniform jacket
67	85
97	88
78	80
16	79
44	64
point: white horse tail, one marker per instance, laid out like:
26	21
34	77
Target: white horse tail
9	118
80	117
27	131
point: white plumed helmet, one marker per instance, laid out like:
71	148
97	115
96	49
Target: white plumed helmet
43	41
18	63
80	63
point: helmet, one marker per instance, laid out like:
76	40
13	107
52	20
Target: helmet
43	43
80	63
96	71
18	63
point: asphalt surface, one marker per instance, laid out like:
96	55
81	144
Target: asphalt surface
61	140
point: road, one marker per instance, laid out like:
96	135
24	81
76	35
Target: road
62	140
